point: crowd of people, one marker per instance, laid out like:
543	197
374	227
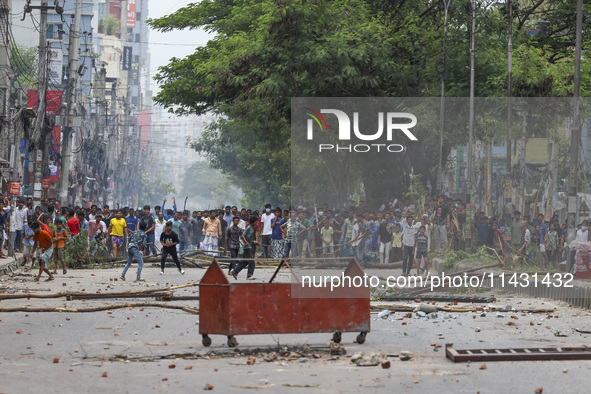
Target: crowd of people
396	231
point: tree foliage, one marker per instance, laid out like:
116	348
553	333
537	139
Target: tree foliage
265	52
152	190
24	61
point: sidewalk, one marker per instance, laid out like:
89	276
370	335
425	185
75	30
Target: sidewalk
10	264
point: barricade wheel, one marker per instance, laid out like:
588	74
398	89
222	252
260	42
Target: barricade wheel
361	338
336	337
232	341
206	341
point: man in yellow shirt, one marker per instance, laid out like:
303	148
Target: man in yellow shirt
117	227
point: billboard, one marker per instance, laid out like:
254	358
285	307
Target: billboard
56	60
131	13
127	58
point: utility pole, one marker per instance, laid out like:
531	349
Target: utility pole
522	174
15	117
125	156
575	131
102	125
489	178
471	120
114	137
7	77
442	103
102	107
41	100
509	169
73	62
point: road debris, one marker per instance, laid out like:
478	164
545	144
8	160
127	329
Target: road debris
267	386
300	385
405	355
368	360
337	349
517	354
426	308
101	308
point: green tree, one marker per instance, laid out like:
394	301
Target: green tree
24	61
111	25
152	189
267	51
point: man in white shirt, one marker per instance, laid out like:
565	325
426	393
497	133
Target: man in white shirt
266	219
526	241
20	214
93	211
583	232
409	232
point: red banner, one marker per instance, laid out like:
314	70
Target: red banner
45	184
15	188
53	108
131	13
144	123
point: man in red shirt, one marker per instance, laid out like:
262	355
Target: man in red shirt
48	225
73	223
42	240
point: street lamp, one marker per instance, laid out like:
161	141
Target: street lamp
440	67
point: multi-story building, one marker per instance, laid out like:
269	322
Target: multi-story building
57	34
114	36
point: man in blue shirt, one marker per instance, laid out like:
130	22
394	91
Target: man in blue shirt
481	225
28	235
84	222
168	214
277	235
540	221
176	222
131	221
228	216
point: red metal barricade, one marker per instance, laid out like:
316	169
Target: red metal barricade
280	308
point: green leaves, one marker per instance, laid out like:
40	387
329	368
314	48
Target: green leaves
152	190
266	52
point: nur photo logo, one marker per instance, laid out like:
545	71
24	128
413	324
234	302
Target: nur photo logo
390	125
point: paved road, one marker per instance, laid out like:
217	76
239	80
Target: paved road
89	344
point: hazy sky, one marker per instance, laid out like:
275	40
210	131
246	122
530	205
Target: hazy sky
164	46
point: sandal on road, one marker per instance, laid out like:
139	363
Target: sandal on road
49	279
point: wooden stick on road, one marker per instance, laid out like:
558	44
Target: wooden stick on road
193	311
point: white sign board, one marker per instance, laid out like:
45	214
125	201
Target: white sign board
55	64
558	205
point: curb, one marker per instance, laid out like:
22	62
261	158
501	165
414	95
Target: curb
11	266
